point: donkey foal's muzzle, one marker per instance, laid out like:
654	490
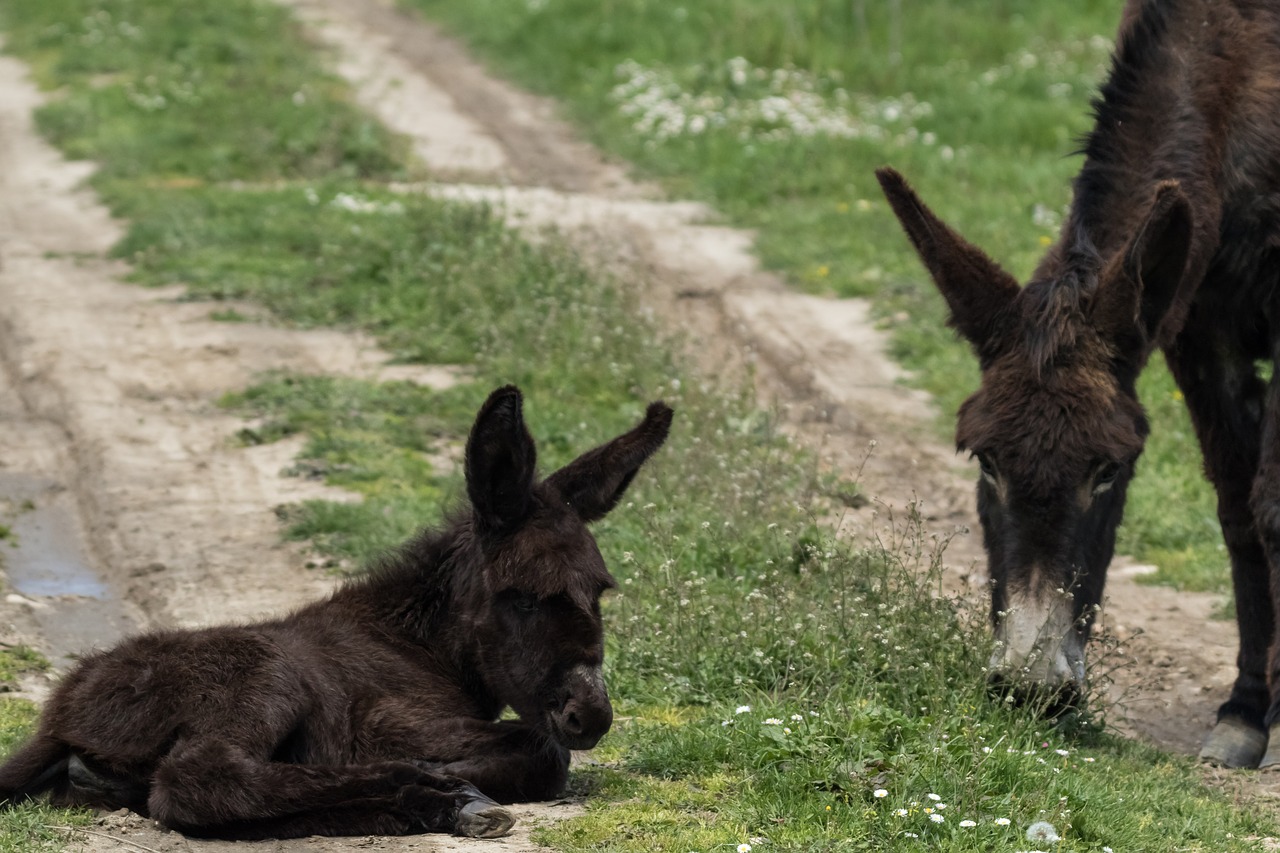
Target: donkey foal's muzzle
584	715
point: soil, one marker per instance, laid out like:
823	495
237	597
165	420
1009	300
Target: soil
134	508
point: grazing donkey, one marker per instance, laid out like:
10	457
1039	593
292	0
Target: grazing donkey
374	711
1172	241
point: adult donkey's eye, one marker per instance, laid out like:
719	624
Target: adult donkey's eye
1105	476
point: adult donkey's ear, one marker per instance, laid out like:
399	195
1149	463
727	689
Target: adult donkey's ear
593	483
977	290
1144	291
501	459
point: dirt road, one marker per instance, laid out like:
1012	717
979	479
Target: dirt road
107	424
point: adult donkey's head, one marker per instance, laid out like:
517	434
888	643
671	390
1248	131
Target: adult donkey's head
1055	426
530	596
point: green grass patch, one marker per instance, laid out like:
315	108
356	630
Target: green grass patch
188	92
859	675
19	660
778	114
29	827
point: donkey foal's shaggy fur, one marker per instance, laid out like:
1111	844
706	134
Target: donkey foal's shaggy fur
374	711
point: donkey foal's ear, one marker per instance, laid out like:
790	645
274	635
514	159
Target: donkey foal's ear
500	461
594	482
975	287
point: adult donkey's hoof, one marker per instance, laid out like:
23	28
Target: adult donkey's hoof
483	818
1271	760
1235	743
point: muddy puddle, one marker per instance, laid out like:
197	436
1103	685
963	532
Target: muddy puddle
48	565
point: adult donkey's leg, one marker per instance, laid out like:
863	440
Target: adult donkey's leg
1226	401
214	788
1266	510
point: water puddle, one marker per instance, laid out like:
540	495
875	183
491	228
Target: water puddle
46	561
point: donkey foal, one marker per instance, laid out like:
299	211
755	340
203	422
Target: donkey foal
375	710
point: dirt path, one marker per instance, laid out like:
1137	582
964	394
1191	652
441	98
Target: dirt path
108	429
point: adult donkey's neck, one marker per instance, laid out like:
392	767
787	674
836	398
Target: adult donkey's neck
1165	113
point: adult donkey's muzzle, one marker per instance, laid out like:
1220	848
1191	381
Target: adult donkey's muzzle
1039	653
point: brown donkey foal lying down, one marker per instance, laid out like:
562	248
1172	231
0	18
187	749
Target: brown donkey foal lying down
374	711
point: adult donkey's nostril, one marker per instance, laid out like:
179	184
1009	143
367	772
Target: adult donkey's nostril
571	724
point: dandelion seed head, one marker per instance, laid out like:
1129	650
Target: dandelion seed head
1042	830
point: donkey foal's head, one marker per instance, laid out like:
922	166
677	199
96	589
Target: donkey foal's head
534	599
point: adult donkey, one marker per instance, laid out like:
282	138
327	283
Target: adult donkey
1171	242
374	711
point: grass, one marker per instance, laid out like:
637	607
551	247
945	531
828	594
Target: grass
30	827
737	612
778	113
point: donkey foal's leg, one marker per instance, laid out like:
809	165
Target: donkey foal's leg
509	760
209	788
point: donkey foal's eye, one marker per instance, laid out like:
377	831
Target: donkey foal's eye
985	465
525	603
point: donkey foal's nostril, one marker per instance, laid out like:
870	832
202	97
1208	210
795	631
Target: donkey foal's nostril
572	724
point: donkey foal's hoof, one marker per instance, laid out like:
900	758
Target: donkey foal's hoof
1235	743
484	819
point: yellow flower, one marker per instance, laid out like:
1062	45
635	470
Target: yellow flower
1045	240
842	207
1177	395
823	271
